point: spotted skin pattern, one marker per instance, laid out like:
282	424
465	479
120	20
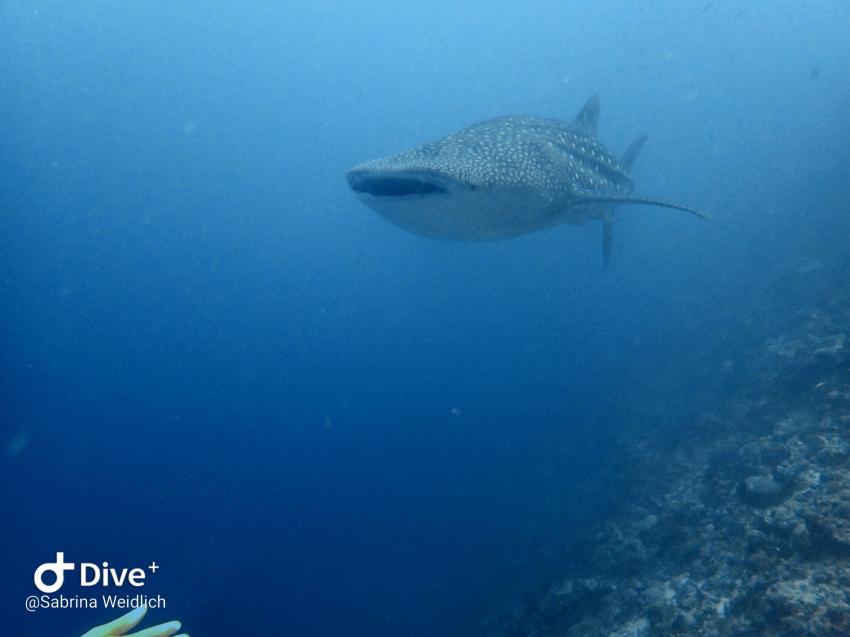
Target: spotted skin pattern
554	157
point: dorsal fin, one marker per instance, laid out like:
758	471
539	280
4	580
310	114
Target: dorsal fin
628	158
588	117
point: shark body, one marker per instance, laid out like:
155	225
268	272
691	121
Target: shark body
504	177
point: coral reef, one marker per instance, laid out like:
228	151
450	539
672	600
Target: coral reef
741	527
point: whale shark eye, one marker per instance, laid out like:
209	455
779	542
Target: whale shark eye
391	186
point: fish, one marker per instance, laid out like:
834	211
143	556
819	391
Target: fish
505	177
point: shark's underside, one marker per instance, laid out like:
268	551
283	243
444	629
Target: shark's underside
502	178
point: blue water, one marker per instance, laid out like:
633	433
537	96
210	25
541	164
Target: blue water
212	356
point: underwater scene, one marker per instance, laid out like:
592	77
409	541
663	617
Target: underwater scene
425	319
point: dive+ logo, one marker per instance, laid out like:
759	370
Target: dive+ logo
90	574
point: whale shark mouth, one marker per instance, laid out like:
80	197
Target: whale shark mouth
378	185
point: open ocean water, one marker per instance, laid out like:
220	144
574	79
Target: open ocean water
296	418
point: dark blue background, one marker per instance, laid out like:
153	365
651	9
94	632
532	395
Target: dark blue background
316	423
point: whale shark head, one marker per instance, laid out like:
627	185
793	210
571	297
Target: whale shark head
488	181
428	202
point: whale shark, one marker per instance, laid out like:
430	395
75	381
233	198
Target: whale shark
505	177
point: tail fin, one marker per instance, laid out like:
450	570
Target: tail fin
608	218
628	158
607	240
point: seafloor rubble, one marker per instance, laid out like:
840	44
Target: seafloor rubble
738	527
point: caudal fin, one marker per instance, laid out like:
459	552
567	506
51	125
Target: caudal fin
607	240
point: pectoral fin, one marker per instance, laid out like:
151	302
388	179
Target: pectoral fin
590	198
